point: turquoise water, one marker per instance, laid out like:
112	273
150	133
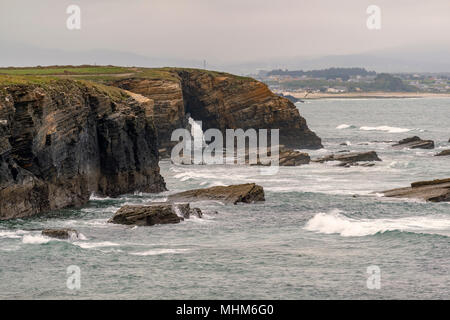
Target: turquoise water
314	237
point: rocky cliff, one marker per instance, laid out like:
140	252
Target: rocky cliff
61	140
220	101
168	109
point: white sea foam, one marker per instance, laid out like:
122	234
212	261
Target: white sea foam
74	236
345	126
386	129
12	234
92	245
95	197
155	252
336	223
36	239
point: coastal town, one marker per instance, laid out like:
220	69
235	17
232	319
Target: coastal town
353	82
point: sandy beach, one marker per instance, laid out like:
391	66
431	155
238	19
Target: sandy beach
360	95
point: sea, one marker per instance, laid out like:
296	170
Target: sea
324	231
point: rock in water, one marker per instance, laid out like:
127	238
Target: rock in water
350	158
434	190
186	210
247	193
293	158
287	158
67	139
146	215
415	143
61	233
443	153
156	213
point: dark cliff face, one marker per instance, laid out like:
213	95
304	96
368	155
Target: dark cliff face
230	102
168	108
221	101
61	141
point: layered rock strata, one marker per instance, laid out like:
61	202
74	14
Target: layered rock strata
246	193
221	101
62	140
434	190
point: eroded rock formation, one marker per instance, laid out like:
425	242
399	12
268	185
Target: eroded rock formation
168	108
350	158
443	153
155	213
246	193
414	143
62	139
434	190
289	158
221	101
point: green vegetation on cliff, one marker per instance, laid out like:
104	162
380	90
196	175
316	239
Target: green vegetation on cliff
65	70
101	74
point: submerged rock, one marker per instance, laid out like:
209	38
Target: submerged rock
355	164
288	158
247	193
350	158
61	233
293	158
434	190
414	143
443	153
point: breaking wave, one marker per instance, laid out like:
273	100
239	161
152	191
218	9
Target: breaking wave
336	223
386	129
345	126
36	239
92	245
155	252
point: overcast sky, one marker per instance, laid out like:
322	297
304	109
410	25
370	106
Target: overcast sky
227	31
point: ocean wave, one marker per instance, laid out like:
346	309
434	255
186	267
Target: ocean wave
401	164
12	234
37	239
386	129
95	197
10	248
345	126
93	245
155	252
336	223
41	239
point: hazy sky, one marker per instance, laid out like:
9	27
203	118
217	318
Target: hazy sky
227	30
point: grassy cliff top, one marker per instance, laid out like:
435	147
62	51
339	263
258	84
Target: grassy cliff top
52	83
102	74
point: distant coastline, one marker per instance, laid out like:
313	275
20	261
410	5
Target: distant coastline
365	95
